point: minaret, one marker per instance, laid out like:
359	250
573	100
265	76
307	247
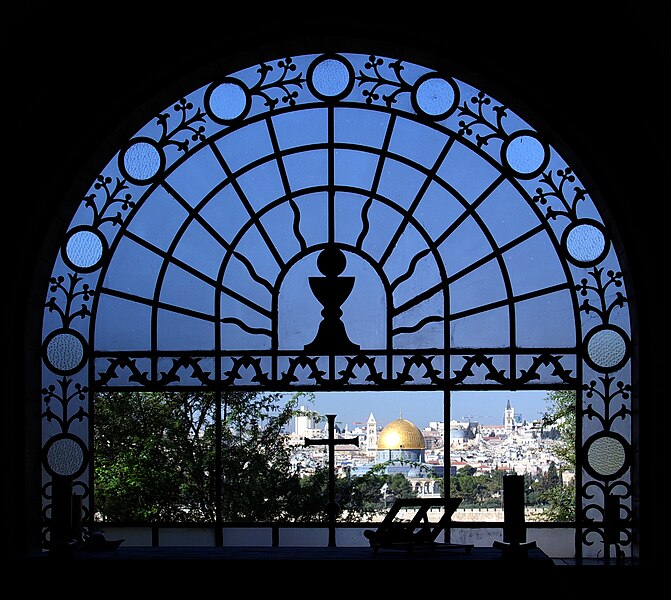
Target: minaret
371	435
509	417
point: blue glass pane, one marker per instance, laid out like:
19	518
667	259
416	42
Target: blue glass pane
464	246
299	311
228	101
507	214
483	330
330	77
301	128
252	279
196	177
400	182
411	261
585	242
525	154
467	172
158	232
122	325
435	96
133	269
355	169
142	161
313	209
417	142
546	321
226	213
534	265
198	249
384	221
307	169
365	310
243	146
185	290
437	210
243	326
477	288
280	223
175	331
364	127
348	217
84	248
262	185
422	326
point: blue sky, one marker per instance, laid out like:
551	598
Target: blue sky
420	407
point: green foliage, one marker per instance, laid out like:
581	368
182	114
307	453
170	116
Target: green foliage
155	456
561	416
560	498
358	498
560	503
155	461
477	490
152	452
256	461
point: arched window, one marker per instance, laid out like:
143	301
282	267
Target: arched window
344	221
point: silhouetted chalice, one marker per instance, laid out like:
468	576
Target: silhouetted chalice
331	291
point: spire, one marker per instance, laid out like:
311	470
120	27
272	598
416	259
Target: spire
508	405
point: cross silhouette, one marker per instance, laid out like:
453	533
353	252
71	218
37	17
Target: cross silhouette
332	507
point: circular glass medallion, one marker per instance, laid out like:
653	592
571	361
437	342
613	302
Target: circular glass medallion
607	455
227	100
64	351
525	154
435	96
84	249
585	242
607	348
330	77
141	161
65	456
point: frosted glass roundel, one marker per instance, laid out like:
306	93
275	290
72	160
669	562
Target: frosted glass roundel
606	348
228	101
331	77
435	96
65	352
65	457
142	161
84	249
525	154
606	455
585	243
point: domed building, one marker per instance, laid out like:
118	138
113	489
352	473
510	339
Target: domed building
401	449
401	446
400	440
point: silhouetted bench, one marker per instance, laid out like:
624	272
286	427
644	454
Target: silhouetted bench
418	532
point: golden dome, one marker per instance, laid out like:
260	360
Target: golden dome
400	434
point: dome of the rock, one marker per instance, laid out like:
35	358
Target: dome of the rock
401	434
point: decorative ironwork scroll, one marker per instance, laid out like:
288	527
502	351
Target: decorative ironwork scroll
343	221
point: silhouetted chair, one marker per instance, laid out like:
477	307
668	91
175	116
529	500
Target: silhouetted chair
419	532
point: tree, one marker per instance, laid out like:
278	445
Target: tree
155	456
256	459
561	416
151	458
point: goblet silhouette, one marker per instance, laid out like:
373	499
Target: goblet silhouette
331	291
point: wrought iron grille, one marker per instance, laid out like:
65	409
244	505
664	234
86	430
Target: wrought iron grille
343	221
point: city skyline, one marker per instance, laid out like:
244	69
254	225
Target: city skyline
421	407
